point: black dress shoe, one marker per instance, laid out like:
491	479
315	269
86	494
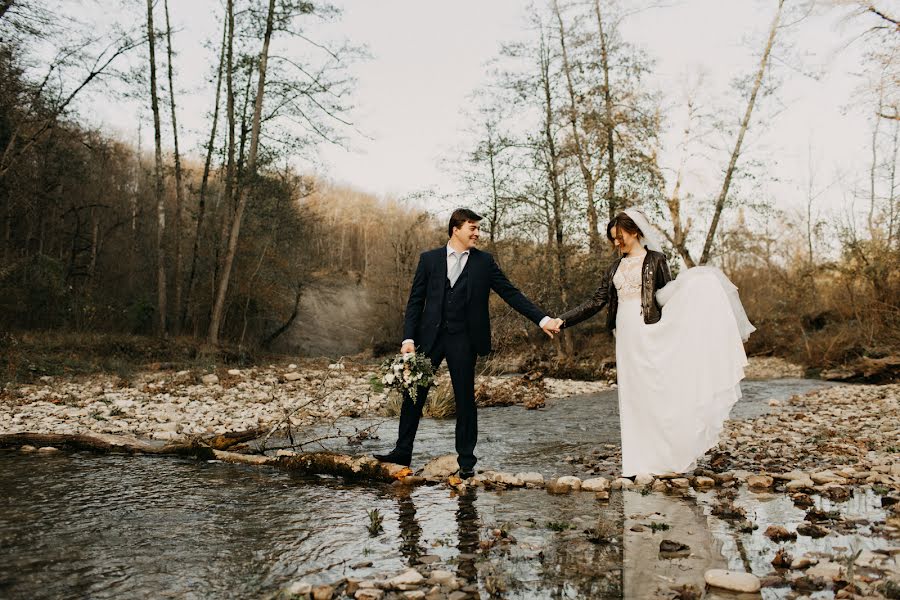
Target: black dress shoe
466	473
393	457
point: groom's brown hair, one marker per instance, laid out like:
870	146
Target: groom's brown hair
461	216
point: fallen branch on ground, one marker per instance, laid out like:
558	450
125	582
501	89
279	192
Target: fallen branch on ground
360	468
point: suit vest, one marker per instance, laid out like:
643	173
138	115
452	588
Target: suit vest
453	311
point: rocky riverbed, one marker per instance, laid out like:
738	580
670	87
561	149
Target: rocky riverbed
167	405
170	405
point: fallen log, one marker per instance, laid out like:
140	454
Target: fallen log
358	468
866	370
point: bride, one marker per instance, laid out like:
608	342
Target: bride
679	351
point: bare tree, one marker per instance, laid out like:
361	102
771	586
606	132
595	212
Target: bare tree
608	113
179	190
222	288
583	153
204	182
158	176
745	124
44	115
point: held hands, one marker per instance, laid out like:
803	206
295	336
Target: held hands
407	348
552	326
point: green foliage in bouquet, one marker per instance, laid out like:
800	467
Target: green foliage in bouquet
407	372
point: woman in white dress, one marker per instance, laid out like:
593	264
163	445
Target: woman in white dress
679	351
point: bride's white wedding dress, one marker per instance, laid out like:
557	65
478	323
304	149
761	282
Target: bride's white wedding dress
677	378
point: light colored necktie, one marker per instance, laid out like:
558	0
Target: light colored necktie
456	269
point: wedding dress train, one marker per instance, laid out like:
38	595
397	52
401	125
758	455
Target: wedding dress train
677	378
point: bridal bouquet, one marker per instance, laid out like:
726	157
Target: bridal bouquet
407	372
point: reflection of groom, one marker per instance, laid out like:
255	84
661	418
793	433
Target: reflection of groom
447	317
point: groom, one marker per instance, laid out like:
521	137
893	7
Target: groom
447	317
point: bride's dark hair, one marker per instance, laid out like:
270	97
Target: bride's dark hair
623	222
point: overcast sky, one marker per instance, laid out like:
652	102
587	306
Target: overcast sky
428	57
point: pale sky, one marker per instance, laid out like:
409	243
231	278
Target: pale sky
428	57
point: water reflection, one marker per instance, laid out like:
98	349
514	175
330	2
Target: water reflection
467	524
410	530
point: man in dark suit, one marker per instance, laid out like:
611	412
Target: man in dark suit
447	317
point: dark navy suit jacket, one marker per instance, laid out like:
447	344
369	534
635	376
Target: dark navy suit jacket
425	306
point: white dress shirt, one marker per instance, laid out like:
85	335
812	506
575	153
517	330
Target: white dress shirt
463	259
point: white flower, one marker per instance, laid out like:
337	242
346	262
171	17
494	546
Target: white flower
389	379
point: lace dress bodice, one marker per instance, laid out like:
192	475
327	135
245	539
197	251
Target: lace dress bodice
628	277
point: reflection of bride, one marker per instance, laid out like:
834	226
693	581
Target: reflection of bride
679	351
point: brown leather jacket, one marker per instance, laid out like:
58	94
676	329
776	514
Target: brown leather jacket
655	274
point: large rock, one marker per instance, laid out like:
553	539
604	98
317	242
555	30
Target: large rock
643	479
598	484
554	486
803	562
704	482
531	479
823	477
507	479
621	483
777	533
827	570
293	376
760	482
440	468
812	530
211	379
298	588
323	592
571	481
732	580
441	577
405	580
799	484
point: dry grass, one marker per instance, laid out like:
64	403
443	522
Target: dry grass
441	403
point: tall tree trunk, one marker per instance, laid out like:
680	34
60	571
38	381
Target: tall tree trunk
729	173
892	188
251	170
226	205
609	117
179	196
873	167
552	166
160	196
204	182
581	150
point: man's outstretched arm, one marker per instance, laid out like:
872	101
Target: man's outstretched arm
519	301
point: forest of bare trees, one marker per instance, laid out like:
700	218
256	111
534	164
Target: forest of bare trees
224	243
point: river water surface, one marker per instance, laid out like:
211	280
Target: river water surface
87	526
